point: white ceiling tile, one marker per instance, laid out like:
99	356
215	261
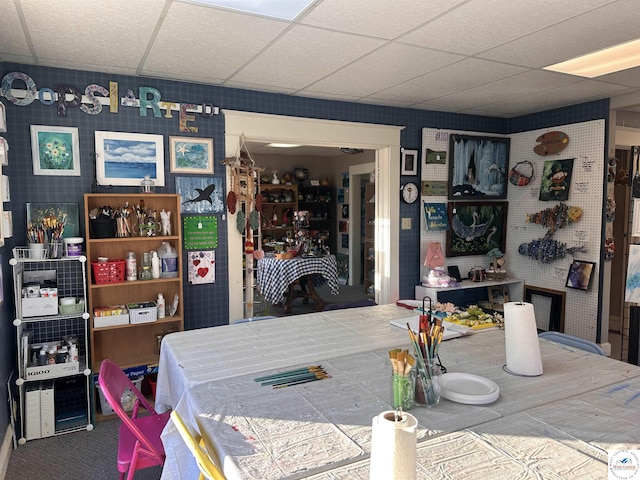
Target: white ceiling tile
89	67
113	32
630	77
8	57
327	96
303	55
203	41
479	25
376	18
453	78
12	38
387	66
579	35
257	86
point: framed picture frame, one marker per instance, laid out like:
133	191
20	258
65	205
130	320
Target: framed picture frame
478	167
55	214
409	162
476	227
125	158
556	180
580	274
191	155
55	150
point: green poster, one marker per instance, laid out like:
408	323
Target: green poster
200	232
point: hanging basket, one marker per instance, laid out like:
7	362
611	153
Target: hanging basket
521	174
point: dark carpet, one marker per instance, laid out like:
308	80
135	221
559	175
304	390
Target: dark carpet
73	456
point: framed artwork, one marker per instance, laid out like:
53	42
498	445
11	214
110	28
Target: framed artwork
580	273
476	227
191	155
55	150
556	180
55	215
345	210
434	156
126	158
409	162
201	268
632	287
200	194
4	152
345	240
478	167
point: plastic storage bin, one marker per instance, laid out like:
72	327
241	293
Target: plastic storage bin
108	272
106	408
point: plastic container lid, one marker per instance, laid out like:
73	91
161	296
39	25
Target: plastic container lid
73	240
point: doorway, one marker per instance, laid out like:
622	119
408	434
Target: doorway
357	175
383	139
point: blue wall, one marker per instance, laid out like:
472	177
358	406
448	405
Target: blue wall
207	305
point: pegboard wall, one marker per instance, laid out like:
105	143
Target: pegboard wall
586	147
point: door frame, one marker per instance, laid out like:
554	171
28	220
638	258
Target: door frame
384	139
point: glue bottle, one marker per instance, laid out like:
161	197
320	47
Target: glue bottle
131	266
160	303
155	265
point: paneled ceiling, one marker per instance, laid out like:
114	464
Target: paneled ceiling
480	57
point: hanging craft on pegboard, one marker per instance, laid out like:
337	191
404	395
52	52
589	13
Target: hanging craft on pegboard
547	249
555	217
556	180
201	267
551	142
200	232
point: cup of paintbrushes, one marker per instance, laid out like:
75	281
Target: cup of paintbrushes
402	379
427	386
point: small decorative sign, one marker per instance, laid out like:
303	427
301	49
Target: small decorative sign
201	267
551	142
434	188
436	216
200	232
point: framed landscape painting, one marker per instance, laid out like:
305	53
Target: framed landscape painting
191	155
125	158
476	227
478	167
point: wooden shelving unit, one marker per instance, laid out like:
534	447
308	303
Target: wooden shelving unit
278	204
320	203
368	263
132	345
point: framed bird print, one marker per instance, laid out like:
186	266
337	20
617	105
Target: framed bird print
476	227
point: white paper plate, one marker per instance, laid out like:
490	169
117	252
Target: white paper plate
468	388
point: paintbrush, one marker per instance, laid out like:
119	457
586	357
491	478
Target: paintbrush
311	368
277	381
300	382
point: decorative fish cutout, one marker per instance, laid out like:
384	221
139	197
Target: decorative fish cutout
555	217
203	195
547	249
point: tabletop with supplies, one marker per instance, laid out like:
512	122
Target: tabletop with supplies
304	407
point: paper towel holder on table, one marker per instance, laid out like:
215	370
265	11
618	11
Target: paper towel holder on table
522	347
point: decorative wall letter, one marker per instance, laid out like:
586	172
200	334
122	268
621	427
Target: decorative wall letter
145	102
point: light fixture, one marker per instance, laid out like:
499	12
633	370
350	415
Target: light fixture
609	60
282	145
268	8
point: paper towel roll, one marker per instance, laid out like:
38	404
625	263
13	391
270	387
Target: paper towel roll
393	447
521	340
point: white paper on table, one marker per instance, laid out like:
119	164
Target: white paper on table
451	330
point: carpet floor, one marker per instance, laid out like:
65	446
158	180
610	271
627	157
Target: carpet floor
74	456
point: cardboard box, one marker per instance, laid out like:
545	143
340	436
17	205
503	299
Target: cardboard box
55	370
110	320
39	306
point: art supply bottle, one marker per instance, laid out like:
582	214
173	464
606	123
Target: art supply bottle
73	354
168	261
131	266
155	265
160	303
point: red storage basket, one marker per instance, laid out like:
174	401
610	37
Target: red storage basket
108	272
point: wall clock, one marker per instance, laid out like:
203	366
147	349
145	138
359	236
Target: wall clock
410	192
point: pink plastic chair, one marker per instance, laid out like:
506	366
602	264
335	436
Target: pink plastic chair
139	444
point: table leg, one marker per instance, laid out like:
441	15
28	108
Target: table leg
306	291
